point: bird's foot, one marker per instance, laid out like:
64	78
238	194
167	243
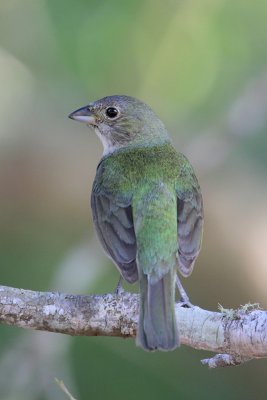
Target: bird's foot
185	303
119	289
184	300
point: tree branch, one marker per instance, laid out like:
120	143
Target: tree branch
240	335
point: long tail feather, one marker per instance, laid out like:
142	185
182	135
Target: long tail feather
157	328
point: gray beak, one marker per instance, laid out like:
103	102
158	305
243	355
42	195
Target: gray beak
83	115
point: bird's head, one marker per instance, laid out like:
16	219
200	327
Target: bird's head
122	121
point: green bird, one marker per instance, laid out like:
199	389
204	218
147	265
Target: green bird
147	210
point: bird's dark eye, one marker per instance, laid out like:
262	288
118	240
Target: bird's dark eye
112	112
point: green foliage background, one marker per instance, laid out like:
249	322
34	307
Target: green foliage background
202	66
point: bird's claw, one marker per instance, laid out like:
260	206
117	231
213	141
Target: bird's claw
119	289
184	300
185	303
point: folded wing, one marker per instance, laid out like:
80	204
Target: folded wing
190	222
114	226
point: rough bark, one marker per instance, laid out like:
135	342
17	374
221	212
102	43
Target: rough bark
239	335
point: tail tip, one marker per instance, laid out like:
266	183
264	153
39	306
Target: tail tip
155	343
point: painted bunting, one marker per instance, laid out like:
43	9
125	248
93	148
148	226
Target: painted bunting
147	210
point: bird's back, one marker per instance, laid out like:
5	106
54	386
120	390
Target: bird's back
126	169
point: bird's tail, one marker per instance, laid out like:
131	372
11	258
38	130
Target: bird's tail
157	328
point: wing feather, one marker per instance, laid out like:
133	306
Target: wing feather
190	225
114	226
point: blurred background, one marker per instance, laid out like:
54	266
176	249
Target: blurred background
202	66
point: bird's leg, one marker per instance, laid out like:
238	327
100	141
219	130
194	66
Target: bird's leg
119	289
184	297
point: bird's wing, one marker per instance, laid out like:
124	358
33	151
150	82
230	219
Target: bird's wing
189	218
113	220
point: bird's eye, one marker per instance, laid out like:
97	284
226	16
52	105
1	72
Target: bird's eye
112	112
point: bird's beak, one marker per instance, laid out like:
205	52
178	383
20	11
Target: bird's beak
83	115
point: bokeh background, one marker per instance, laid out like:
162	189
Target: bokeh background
202	66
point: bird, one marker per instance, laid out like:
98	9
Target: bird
147	210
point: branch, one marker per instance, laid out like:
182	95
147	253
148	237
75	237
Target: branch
240	335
